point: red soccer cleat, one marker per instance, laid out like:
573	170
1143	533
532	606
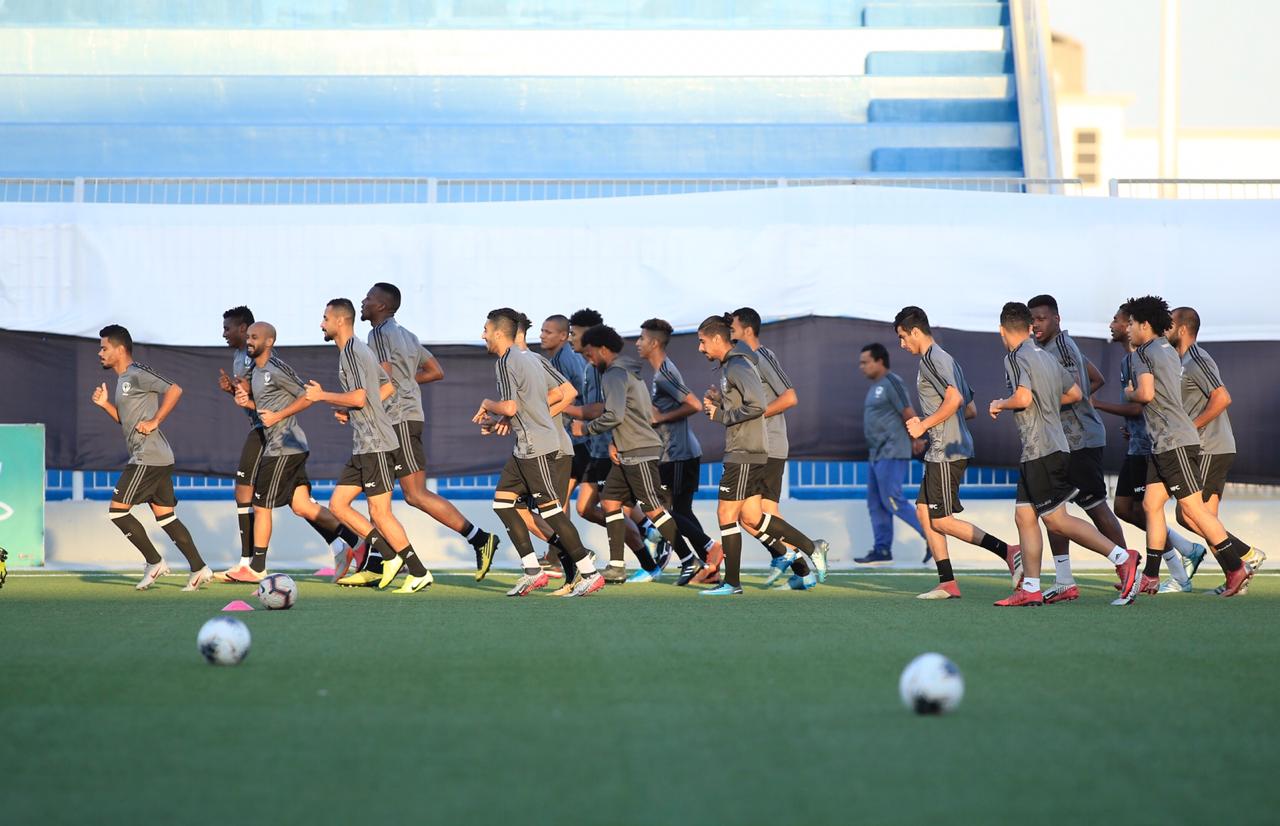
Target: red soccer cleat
944	590
1066	593
1236	581
1021	597
1149	585
1128	572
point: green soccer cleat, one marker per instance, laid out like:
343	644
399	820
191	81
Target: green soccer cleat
484	557
414	584
4	566
390	568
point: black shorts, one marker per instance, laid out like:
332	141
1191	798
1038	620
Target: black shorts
741	482
250	456
561	467
409	435
940	490
597	471
1085	470
1132	482
146	484
581	458
1045	483
681	477
638	484
278	478
1214	468
541	479
1178	470
373	473
771	480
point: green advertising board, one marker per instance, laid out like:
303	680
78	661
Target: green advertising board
22	493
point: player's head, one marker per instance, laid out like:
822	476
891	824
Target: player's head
1120	326
579	323
554	333
601	344
381	301
1149	318
235	323
1186	327
1015	324
1045	321
655	334
873	361
260	339
339	315
914	333
522	331
745	324
715	337
115	346
500	329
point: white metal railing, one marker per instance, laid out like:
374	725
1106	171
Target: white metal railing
1038	114
1224	189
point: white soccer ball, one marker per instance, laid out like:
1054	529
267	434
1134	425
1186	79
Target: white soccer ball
277	592
931	684
223	641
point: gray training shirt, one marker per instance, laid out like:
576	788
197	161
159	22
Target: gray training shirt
627	414
1167	422
1080	421
669	393
402	350
241	364
1039	423
741	409
1136	426
554	379
138	392
882	421
1200	377
951	439
371	429
775	384
275	387
521	377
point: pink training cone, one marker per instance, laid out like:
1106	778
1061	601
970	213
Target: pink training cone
324	572
238	605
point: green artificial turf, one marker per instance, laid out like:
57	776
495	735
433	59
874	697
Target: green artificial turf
644	704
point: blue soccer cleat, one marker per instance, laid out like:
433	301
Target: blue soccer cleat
725	590
645	576
778	566
1194	559
799	583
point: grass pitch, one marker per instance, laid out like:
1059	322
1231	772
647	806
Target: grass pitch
644	704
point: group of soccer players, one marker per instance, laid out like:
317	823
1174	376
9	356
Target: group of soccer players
582	421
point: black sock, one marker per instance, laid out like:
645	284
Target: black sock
570	540
182	538
996	546
732	544
1152	566
374	546
135	533
474	536
775	548
1229	552
516	529
348	536
646	560
244	518
326	534
615	525
259	562
411	561
776	528
944	571
373	562
800	565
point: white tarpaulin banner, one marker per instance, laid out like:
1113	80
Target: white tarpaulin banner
168	272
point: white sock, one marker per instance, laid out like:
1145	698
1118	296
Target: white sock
1118	555
1180	543
1062	570
616	564
1031	584
585	567
530	561
1177	570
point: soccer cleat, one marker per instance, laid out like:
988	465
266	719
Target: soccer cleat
344	558
1237	582
777	567
1194	559
1253	560
587	586
199	579
246	574
414	584
4	566
820	550
725	590
653	541
528	583
484	557
1172	586
1013	558
688	571
225	576
616	574
390	569
943	590
1128	573
564	590
1021	598
645	576
663	556
551	567
706	576
360	579
151	574
1149	585
795	582
1062	593
875	556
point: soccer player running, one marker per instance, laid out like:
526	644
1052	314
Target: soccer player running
1038	387
889	449
143	400
409	365
1131	484
1086	435
235	329
1206	399
375	451
780	396
536	462
946	401
1174	469
553	341
277	395
681	464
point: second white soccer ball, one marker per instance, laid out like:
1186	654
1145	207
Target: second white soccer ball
223	641
931	684
277	592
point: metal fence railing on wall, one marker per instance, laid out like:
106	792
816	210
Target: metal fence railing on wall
1205	189
322	191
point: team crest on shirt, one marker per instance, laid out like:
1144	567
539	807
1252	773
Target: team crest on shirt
124	388
879	391
266	378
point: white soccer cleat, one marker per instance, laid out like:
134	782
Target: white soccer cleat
151	574
199	579
1172	586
